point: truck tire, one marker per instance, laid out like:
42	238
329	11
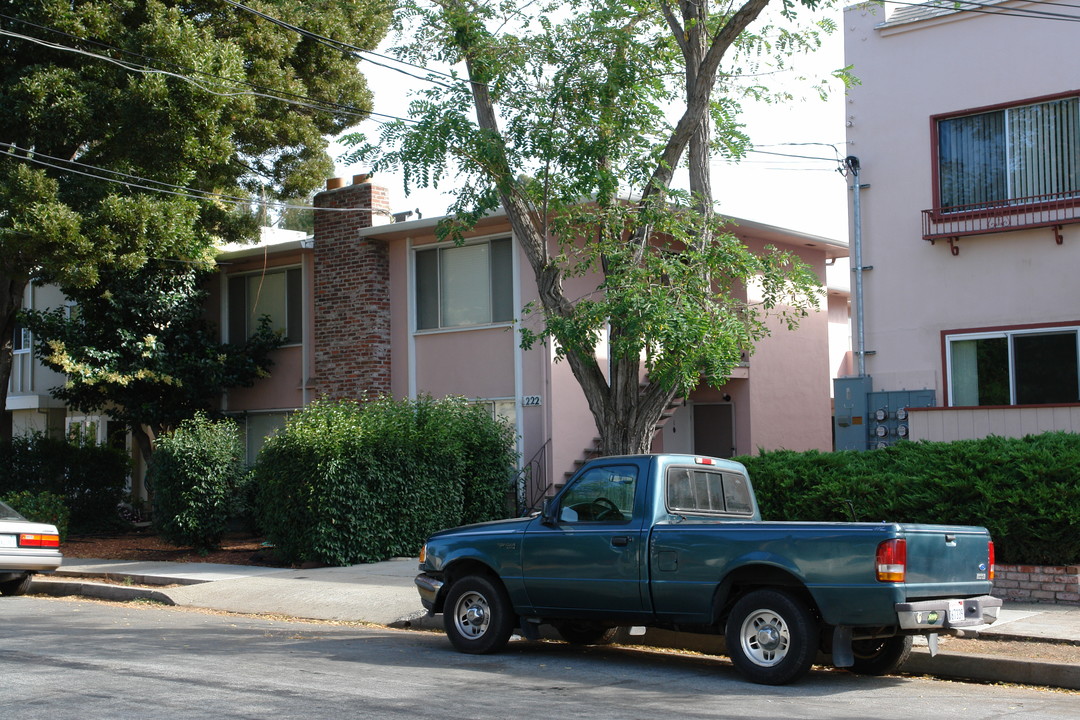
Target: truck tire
880	656
18	586
478	617
583	632
771	637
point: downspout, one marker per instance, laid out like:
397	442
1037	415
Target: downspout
852	164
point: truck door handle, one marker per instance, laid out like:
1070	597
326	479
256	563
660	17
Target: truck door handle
620	541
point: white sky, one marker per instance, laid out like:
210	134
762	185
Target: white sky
805	195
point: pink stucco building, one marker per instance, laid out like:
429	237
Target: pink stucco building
375	307
967	128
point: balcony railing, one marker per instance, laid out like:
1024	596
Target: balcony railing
1016	214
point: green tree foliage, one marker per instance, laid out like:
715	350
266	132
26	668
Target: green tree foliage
1025	491
90	478
203	101
138	347
196	474
573	119
344	484
43	507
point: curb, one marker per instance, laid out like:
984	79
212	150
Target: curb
993	668
100	591
127	578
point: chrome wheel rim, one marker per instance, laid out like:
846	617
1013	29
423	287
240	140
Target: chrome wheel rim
765	638
472	615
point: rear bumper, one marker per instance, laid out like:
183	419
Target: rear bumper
429	588
936	615
21	561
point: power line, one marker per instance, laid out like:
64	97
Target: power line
269	93
970	6
341	45
143	183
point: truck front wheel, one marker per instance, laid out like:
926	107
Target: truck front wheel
771	637
478	617
880	656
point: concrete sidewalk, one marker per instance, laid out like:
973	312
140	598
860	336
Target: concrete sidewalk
383	594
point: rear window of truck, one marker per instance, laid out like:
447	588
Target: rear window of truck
710	492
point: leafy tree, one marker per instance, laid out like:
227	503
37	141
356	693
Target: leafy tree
203	100
550	113
138	347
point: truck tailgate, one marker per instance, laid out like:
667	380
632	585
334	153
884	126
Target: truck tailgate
942	559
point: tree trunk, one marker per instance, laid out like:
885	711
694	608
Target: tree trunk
626	412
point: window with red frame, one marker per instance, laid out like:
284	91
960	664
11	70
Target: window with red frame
1027	153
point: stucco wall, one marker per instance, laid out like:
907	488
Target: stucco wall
916	290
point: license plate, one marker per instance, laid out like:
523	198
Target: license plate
7	541
956	611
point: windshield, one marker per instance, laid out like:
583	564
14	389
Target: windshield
6	513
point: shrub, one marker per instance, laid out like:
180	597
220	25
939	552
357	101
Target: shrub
43	507
1026	491
90	478
343	484
195	474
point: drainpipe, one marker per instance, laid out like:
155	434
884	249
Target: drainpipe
852	164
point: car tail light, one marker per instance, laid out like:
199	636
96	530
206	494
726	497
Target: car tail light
892	561
990	558
39	540
704	461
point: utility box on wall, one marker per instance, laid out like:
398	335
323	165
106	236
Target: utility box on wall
850	412
865	420
888	414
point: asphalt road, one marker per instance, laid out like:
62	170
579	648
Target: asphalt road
62	658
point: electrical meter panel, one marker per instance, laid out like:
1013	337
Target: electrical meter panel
888	414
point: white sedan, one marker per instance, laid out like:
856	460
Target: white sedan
25	548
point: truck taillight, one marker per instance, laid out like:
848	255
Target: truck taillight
990	557
892	561
39	540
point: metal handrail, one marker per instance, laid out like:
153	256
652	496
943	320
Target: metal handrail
532	481
1014	214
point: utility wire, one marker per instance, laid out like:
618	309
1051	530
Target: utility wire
962	6
269	93
143	183
357	52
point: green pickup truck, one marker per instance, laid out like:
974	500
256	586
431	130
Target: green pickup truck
677	542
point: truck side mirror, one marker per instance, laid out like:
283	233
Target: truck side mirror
547	513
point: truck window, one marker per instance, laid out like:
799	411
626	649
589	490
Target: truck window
602	494
690	490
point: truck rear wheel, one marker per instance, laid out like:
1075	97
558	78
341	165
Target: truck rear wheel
880	656
771	637
478	617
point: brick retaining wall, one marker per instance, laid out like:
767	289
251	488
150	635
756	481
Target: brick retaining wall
1038	583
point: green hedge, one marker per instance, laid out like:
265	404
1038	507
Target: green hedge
344	484
196	476
1025	491
44	507
90	478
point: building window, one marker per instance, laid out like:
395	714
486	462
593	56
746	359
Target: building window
505	410
1020	367
22	340
276	294
257	428
463	286
1028	153
709	492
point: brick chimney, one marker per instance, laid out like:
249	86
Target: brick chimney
352	292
